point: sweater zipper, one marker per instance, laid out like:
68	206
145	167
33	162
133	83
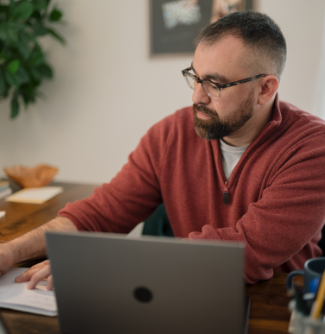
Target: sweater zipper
225	196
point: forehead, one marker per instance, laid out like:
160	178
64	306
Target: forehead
224	58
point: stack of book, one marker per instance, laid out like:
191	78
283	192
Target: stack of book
5	190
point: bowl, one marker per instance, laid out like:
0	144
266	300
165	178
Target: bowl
37	176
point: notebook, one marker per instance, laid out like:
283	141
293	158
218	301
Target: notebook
16	296
35	195
106	283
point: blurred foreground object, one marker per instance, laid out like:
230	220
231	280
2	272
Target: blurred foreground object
5	190
37	176
22	62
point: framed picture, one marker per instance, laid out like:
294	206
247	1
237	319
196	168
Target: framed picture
176	23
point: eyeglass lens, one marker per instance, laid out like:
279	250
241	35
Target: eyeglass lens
212	91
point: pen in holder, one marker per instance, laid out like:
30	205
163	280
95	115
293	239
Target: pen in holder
307	307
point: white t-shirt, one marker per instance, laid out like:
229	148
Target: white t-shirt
230	157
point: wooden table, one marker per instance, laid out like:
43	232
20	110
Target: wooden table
269	304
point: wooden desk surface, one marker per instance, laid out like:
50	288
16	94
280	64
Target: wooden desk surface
269	312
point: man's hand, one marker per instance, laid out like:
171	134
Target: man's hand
37	273
32	246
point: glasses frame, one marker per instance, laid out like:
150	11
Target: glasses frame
215	84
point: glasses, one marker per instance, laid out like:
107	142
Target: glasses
213	89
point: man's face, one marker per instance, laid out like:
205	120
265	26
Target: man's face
230	114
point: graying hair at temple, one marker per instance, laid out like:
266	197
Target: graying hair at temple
260	34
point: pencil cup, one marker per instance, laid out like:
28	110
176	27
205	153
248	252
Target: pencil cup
313	268
300	324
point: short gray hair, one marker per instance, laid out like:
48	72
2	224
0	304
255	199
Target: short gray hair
259	33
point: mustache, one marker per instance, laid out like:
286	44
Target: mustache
205	110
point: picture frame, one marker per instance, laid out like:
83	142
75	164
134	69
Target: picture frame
176	23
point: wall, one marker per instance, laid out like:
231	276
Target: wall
108	91
302	23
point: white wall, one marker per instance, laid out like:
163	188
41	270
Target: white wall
108	91
302	23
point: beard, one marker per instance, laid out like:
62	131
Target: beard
215	128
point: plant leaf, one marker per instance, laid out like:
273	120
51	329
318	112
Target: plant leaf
22	62
14	106
36	58
17	79
3	86
5	54
40	4
13	66
23	11
35	76
56	35
9	32
39	29
22	76
45	70
4	10
11	79
29	93
23	45
55	15
12	5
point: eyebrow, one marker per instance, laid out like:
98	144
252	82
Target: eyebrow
218	78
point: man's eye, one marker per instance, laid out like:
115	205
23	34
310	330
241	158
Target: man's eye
213	85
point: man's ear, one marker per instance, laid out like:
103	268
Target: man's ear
268	88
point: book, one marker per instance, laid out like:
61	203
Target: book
16	296
6	192
4	184
3	187
35	195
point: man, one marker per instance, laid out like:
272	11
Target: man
239	166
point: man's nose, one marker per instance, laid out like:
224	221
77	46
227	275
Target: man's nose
199	95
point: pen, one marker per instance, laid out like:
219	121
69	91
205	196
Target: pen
318	304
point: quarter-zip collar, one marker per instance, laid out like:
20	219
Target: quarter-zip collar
273	125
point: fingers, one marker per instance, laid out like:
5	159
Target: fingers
49	284
40	276
26	276
35	274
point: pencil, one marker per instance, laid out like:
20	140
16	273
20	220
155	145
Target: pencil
318	304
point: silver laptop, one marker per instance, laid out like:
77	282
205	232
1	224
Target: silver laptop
106	283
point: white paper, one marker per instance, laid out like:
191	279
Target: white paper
16	295
35	195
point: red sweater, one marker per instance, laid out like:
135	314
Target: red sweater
276	191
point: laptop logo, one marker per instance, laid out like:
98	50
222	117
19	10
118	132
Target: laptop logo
142	295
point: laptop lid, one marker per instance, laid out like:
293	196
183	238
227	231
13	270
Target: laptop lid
106	283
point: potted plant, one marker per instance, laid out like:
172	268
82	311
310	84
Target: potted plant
23	65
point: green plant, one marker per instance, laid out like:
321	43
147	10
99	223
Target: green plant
23	64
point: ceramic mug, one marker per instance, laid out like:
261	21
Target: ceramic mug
313	268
